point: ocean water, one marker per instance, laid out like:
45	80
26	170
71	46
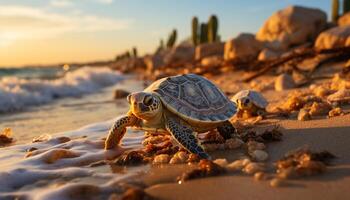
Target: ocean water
77	104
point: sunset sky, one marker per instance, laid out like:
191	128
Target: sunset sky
51	31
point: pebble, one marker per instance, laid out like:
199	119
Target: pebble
284	82
260	176
276	182
336	112
120	93
252	168
233	143
161	159
235	165
260	155
221	161
304	115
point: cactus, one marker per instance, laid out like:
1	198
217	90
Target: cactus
160	47
134	52
346	6
172	39
204	33
212	29
195	31
335	10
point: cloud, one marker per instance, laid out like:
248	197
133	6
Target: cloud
105	1
23	22
61	3
69	3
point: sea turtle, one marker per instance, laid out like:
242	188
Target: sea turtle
181	105
250	102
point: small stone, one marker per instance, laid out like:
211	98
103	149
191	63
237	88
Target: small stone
336	112
284	82
120	93
259	176
252	168
276	182
260	155
319	108
286	173
304	115
161	159
235	165
233	143
222	162
253	145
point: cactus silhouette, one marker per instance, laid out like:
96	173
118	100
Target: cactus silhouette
195	30
172	39
346	6
212	29
335	10
204	33
134	52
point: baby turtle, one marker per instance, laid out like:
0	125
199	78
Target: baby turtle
250	102
181	105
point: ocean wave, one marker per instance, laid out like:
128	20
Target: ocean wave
17	93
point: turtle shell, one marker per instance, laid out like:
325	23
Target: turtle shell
257	98
193	97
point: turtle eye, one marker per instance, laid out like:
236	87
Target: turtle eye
246	101
148	100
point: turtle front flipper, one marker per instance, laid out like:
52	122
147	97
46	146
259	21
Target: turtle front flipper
185	136
118	130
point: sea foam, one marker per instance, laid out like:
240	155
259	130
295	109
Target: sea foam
17	93
50	173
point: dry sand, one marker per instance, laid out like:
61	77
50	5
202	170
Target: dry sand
319	134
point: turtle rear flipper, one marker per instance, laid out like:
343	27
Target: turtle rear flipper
185	136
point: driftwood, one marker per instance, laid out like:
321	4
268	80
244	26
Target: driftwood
335	54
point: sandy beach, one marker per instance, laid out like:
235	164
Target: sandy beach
216	110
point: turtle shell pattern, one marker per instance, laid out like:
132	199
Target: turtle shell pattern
193	97
257	98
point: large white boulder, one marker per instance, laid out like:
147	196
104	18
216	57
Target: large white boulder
243	47
292	26
335	37
209	49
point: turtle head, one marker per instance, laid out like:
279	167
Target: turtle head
245	103
144	105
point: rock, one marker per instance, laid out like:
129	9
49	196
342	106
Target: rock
284	82
253	168
267	54
129	64
209	49
292	26
221	162
344	20
335	37
336	112
212	61
120	93
276	182
155	61
180	55
243	47
260	155
340	96
304	115
161	159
